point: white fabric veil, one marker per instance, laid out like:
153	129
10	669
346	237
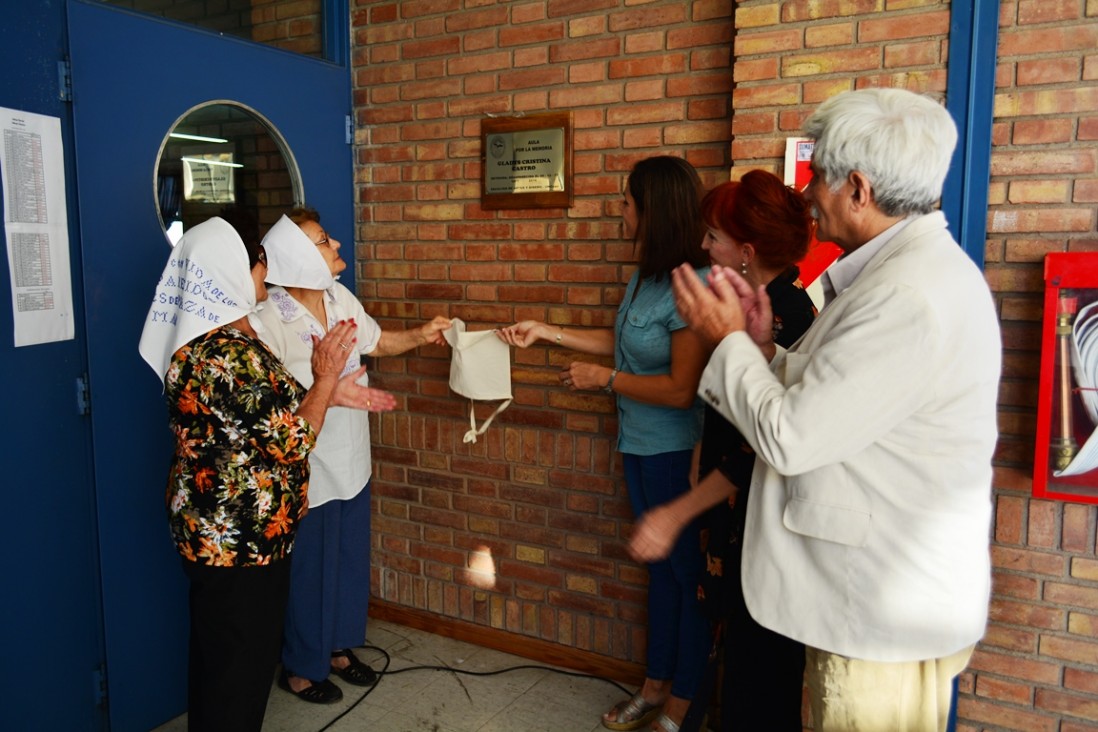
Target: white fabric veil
206	284
480	368
293	259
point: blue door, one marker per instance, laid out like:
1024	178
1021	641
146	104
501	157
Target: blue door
133	77
50	632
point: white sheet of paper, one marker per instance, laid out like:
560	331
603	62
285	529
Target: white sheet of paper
32	172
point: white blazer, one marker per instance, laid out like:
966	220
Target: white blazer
870	505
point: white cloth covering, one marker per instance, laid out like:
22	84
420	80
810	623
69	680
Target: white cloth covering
480	368
206	284
293	259
340	463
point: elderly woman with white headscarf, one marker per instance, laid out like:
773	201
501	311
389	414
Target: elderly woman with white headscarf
244	428
330	577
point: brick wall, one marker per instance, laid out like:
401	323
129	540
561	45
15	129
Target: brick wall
543	493
540	493
1037	668
294	25
790	56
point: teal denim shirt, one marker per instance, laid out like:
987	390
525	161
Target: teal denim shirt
642	346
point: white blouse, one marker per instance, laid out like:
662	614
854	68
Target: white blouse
340	464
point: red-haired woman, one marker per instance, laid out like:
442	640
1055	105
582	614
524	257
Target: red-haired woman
763	227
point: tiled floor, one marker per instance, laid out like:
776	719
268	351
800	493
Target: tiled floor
527	700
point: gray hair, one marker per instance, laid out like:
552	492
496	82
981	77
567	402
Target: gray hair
901	141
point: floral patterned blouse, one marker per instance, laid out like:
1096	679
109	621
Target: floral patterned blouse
240	470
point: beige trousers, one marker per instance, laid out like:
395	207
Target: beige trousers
849	695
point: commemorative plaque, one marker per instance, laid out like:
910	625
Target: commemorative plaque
527	161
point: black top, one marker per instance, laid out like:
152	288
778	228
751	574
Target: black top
724	448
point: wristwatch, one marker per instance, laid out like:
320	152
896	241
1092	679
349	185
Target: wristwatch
609	388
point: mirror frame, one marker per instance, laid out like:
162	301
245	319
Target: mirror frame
296	181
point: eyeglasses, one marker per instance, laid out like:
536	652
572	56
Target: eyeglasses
323	242
261	256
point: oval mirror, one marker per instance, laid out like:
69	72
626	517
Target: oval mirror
224	159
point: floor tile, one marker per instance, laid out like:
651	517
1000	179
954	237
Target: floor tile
557	703
422	700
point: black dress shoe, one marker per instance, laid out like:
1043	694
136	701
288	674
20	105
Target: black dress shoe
318	692
357	673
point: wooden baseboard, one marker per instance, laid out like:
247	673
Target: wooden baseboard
535	649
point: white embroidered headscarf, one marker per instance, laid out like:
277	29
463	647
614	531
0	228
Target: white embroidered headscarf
293	259
206	284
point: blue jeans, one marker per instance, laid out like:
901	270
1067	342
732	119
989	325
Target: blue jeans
679	635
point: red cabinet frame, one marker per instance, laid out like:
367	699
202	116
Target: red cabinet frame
1064	424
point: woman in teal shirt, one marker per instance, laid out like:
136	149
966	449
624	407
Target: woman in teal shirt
657	365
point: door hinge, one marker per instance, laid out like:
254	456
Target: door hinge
64	81
83	396
349	130
99	679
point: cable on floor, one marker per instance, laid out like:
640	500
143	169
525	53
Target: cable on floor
386	672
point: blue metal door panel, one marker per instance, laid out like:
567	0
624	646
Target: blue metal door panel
133	77
51	631
970	96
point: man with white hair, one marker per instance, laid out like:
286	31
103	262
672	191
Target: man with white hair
869	510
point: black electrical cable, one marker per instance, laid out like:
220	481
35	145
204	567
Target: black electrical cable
388	660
